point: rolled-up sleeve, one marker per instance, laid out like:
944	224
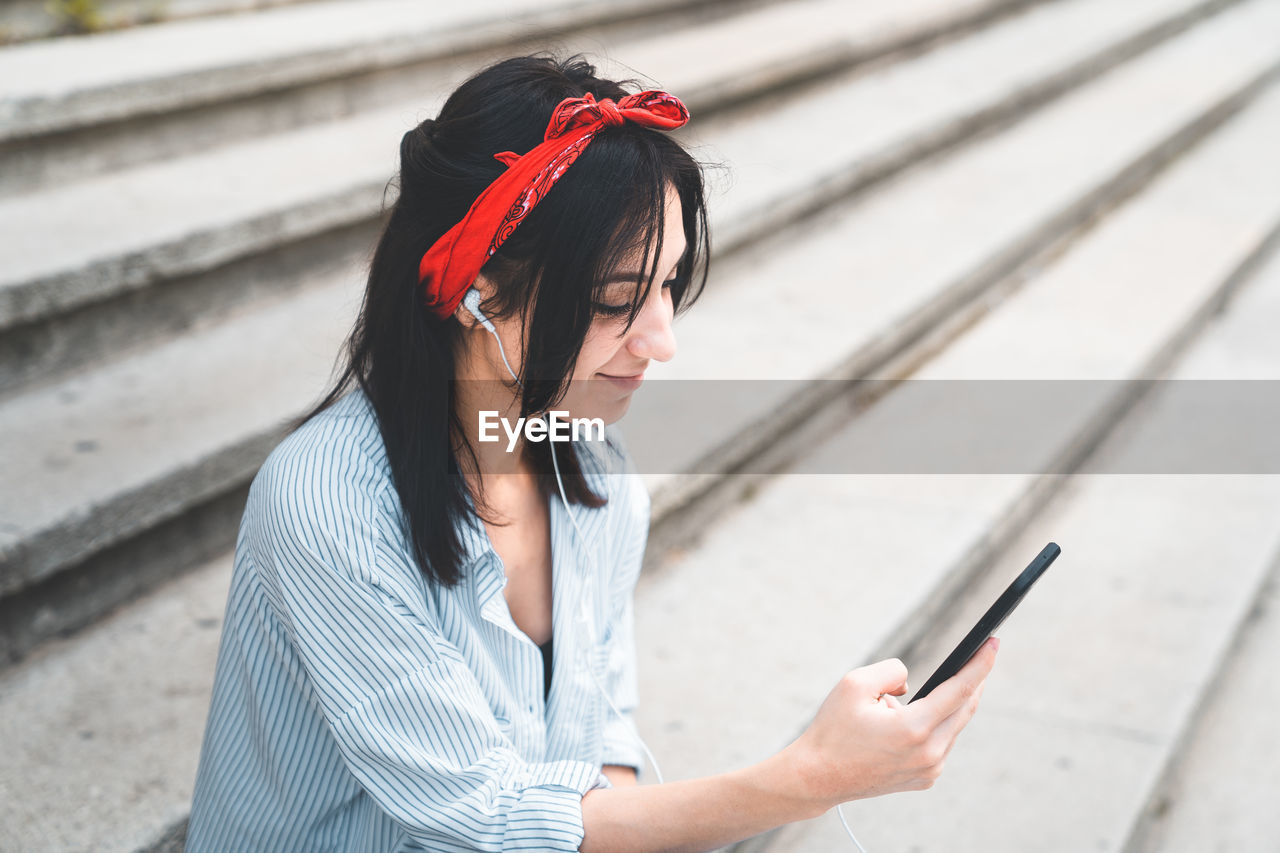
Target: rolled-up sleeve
438	765
621	741
408	716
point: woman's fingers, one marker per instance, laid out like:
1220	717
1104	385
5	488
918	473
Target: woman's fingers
887	696
952	694
864	741
886	676
949	729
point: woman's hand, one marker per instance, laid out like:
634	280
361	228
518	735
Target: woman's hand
863	742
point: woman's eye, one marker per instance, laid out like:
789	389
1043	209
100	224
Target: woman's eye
620	310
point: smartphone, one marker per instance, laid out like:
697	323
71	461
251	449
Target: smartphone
990	620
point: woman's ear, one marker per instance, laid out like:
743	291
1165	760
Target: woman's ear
463	314
465	317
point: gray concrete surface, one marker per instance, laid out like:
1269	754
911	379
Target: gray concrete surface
1222	786
102	732
24	20
671	44
868	121
60	84
1229	781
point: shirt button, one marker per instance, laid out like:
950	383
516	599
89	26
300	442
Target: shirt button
532	707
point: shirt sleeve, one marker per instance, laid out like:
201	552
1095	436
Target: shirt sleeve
407	714
622	745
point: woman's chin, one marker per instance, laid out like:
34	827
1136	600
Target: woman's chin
608	407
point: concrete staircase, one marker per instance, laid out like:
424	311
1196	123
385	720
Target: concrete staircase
986	190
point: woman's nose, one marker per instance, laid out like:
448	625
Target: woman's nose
651	335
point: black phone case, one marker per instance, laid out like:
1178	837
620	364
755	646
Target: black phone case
990	620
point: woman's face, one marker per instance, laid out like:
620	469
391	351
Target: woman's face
611	363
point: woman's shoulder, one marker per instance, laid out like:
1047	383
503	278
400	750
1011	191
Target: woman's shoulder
334	461
322	501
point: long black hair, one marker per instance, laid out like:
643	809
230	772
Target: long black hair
550	271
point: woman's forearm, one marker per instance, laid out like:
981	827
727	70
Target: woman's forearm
695	815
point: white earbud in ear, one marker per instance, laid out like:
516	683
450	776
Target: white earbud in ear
472	303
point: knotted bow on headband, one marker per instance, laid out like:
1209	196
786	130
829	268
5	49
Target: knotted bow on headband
451	264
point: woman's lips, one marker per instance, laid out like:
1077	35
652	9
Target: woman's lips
629	382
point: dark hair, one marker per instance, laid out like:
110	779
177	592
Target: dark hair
550	270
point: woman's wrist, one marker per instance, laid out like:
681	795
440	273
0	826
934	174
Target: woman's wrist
800	777
700	814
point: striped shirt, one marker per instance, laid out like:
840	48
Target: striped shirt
356	707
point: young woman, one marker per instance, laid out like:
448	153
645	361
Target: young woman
429	641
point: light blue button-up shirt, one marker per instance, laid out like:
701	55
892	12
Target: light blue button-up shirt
357	708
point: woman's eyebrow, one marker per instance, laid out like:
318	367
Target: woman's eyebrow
631	276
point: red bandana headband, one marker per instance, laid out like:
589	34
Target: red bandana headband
451	264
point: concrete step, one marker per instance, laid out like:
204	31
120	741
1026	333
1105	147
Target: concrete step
113	465
865	124
912	540
105	728
1219	790
187	424
65	84
178	87
26	20
1132	683
139	237
906	545
1224	794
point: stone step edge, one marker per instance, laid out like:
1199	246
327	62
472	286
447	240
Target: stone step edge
50	162
1142	828
119	15
36	116
865	173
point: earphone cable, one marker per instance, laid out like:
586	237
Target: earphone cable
845	823
582	540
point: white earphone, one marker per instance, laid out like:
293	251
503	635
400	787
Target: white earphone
471	301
